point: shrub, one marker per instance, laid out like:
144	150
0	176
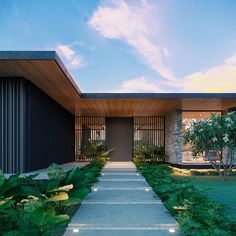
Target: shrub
93	150
149	153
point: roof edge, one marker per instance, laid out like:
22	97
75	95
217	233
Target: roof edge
28	55
40	55
158	95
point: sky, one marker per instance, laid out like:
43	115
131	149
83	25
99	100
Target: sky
159	46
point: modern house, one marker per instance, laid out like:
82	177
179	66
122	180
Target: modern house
45	117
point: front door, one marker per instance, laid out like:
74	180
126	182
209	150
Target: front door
119	136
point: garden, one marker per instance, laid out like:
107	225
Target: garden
197	212
44	207
202	201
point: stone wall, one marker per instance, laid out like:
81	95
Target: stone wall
173	137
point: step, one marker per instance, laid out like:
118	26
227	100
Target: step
122	202
140	214
123	230
146	189
120	173
122	184
130	195
102	179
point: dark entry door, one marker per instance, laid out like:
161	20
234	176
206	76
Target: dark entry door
119	135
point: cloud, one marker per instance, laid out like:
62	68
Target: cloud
220	78
231	60
72	59
134	24
138	85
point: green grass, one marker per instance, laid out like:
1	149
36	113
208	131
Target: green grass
196	213
215	188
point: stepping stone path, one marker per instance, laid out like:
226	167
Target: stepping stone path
122	204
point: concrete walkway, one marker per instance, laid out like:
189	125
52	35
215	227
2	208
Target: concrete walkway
43	173
122	203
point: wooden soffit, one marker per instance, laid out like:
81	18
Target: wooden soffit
46	71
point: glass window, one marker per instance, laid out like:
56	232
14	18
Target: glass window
187	119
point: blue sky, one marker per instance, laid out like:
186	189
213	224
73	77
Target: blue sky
130	45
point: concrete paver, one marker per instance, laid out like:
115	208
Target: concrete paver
121	204
43	173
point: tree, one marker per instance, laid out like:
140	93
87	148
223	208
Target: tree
217	136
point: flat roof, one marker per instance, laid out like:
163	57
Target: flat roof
46	70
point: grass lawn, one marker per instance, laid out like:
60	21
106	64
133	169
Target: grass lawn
215	188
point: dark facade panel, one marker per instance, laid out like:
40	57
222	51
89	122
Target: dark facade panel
35	130
51	131
13	124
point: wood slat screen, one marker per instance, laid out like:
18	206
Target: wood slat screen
149	130
88	130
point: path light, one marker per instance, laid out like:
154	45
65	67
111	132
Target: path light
75	230
95	189
147	189
137	174
102	174
171	230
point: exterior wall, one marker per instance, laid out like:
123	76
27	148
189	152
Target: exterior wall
35	130
51	131
173	137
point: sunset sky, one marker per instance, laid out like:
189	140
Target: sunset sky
130	45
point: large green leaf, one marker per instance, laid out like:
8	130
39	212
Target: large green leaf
47	218
64	188
2	178
32	205
61	196
13	233
72	201
9	183
5	205
74	176
56	172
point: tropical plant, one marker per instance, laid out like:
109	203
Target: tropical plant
149	153
93	150
217	136
43	207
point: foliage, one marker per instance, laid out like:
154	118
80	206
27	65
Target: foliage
149	153
41	207
196	213
55	172
93	150
215	135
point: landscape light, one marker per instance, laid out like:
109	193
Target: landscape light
95	189
147	189
171	230
137	174
75	230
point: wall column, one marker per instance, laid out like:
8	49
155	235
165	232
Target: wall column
173	137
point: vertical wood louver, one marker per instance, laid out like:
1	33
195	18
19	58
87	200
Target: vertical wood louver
88	130
13	125
149	130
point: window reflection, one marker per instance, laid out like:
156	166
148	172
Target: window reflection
187	119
